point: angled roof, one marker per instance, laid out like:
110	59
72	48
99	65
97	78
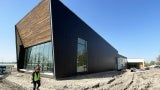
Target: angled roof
121	56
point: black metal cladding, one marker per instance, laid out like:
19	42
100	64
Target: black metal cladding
20	51
21	57
67	27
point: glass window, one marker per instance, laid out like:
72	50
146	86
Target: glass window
50	60
81	41
29	64
82	56
45	57
39	55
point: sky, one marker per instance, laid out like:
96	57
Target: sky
130	26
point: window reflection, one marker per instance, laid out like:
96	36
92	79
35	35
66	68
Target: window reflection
82	56
39	55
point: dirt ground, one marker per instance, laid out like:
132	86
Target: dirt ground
111	80
7	85
140	80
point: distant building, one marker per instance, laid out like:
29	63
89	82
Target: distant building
121	62
135	63
53	37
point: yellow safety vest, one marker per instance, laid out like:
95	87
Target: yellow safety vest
36	77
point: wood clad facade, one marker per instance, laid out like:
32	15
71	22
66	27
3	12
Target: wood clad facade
34	28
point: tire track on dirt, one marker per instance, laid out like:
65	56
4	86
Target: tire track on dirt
130	82
120	82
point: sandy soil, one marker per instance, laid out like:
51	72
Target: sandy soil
7	85
146	80
4	85
112	80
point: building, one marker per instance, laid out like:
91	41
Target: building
54	38
121	62
135	63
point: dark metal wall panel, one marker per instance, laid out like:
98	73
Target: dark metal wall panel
21	58
64	41
20	51
67	27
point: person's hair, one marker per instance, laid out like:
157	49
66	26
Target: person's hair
37	67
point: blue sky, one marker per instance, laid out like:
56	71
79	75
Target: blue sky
11	11
131	26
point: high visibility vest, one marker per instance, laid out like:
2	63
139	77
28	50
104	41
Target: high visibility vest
36	77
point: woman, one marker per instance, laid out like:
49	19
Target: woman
36	78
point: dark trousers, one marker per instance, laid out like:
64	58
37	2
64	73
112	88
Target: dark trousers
35	84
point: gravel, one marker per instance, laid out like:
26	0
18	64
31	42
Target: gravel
112	80
7	85
78	82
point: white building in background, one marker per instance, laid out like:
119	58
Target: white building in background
135	63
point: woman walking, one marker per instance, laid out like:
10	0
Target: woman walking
36	78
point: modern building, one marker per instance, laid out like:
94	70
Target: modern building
53	37
135	63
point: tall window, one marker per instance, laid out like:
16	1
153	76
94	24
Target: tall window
39	55
82	55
